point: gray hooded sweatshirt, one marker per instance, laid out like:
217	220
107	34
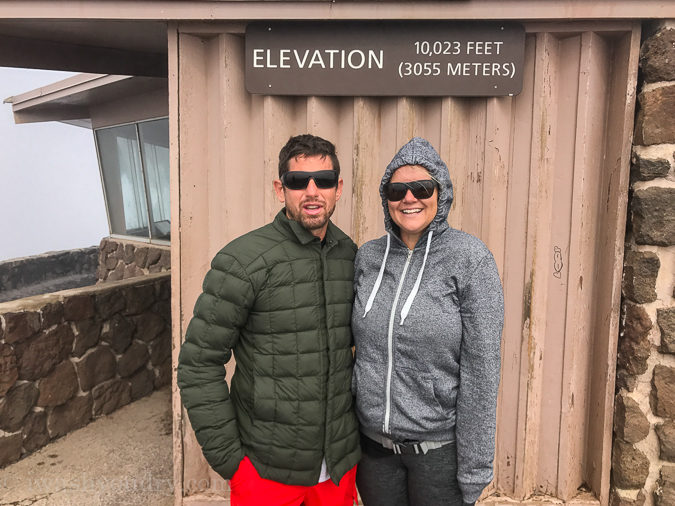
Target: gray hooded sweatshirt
427	326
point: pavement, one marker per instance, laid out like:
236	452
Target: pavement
124	458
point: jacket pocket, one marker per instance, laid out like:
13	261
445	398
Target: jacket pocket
369	389
264	401
445	392
415	408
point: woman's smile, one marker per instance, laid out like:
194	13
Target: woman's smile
412	215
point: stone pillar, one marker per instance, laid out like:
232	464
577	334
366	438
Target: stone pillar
124	259
643	459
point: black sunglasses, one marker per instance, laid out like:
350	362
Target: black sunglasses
298	180
422	189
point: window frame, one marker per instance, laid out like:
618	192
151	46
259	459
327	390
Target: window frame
149	239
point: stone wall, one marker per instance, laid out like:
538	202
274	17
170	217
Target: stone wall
124	259
643	457
69	357
49	272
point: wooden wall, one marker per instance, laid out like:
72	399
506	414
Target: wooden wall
541	177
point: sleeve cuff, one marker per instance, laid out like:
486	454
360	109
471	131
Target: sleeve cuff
230	467
471	491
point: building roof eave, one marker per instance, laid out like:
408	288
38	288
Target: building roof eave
71	99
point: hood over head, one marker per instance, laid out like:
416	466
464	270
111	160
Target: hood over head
419	151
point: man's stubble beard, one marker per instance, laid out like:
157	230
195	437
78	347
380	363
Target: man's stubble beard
311	222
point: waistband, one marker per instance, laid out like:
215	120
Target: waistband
404	447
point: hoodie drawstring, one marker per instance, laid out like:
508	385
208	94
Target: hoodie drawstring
411	297
409	301
378	281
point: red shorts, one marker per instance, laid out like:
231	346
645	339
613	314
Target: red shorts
249	489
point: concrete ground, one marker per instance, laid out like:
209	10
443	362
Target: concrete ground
124	458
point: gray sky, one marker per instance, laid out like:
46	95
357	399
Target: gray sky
50	189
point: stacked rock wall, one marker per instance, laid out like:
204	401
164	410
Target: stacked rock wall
643	458
124	259
69	357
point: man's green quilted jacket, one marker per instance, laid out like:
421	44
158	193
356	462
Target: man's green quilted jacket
282	303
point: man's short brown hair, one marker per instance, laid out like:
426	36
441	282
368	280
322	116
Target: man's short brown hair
307	145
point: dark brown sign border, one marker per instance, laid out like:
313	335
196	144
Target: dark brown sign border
385	58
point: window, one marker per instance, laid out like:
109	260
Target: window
134	162
154	137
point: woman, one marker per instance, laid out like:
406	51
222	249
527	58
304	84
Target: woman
427	323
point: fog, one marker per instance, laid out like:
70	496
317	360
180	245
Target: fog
50	188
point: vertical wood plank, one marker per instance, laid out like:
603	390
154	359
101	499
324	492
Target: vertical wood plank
408	119
471	186
231	143
432	117
324	118
510	411
537	263
590	116
564	87
389	141
612	216
367	219
496	176
176	327
454	150
345	145
495	194
193	215
255	130
280	122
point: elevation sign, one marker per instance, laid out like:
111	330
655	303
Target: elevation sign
396	58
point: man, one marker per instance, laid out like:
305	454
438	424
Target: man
280	298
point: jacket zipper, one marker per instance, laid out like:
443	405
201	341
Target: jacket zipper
323	255
390	344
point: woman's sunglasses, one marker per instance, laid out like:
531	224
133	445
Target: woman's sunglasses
422	189
298	180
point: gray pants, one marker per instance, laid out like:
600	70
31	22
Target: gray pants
386	479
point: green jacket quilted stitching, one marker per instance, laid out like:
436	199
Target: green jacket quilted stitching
282	304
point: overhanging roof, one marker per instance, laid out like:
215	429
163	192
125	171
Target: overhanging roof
71	99
130	47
